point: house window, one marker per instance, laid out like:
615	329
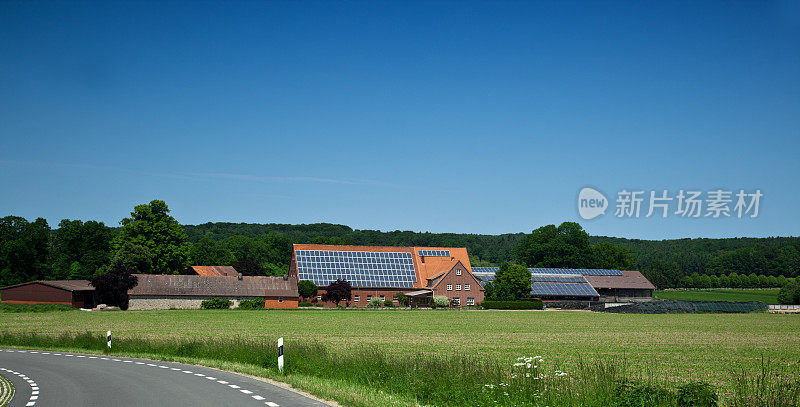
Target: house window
470	301
280	299
383	298
449	287
319	298
357	298
458	272
458	287
466	287
369	297
457	300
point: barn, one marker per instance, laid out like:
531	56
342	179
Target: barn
156	291
75	293
383	271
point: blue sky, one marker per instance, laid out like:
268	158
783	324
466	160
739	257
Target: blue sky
478	117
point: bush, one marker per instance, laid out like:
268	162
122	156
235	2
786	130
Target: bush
789	293
252	303
534	304
635	394
697	394
319	304
306	304
388	303
375	302
441	301
402	299
216	303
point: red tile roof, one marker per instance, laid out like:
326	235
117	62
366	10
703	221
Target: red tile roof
214	286
214	270
628	280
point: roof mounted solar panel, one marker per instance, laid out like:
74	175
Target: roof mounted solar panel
491	270
563	290
360	268
434	253
585	272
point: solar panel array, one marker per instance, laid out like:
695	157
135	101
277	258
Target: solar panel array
484	277
434	253
584	272
558	278
361	269
562	290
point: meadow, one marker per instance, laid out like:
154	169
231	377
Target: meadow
767	295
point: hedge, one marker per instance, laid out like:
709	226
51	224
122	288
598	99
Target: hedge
535	304
216	303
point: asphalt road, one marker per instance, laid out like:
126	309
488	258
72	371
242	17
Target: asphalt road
57	379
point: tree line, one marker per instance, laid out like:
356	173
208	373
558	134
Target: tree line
76	249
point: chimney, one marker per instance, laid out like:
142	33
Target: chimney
239	276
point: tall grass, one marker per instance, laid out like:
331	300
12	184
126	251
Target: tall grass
428	379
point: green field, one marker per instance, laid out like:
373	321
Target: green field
767	295
674	347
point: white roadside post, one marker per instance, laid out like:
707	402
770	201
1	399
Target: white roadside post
280	355
108	339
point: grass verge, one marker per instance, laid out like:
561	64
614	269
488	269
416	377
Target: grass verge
370	377
6	391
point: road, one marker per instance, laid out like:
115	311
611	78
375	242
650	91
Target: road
57	379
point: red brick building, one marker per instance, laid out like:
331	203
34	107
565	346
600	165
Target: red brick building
383	271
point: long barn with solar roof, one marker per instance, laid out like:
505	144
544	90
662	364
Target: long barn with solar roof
382	272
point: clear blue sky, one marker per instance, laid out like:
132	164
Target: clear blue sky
481	117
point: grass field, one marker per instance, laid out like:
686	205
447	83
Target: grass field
767	295
674	347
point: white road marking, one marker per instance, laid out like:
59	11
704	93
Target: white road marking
35	387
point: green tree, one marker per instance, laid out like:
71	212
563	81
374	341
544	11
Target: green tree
79	249
307	289
512	282
565	246
131	257
789	293
207	252
724	281
609	256
151	226
23	250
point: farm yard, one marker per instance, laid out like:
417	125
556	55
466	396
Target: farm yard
671	348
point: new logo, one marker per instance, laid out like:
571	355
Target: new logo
591	203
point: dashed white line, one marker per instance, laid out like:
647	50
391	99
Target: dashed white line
35	388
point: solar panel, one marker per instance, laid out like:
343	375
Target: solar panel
585	272
563	290
361	269
434	253
485	270
557	278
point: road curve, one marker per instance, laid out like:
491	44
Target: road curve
56	379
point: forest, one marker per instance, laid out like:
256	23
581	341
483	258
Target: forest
75	249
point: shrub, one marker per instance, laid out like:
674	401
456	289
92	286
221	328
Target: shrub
319	304
375	302
216	303
306	304
388	303
441	301
252	303
635	394
402	299
307	289
697	394
789	293
533	304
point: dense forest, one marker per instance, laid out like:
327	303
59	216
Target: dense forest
75	249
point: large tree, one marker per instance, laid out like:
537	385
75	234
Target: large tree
609	256
338	291
151	226
512	282
79	248
207	252
23	250
112	287
565	246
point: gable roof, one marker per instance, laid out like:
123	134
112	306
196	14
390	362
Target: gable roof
69	285
438	279
214	286
628	280
214	270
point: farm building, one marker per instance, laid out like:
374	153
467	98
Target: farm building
629	285
582	284
213	271
187	292
383	271
76	293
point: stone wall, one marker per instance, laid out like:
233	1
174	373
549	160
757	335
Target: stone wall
175	302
